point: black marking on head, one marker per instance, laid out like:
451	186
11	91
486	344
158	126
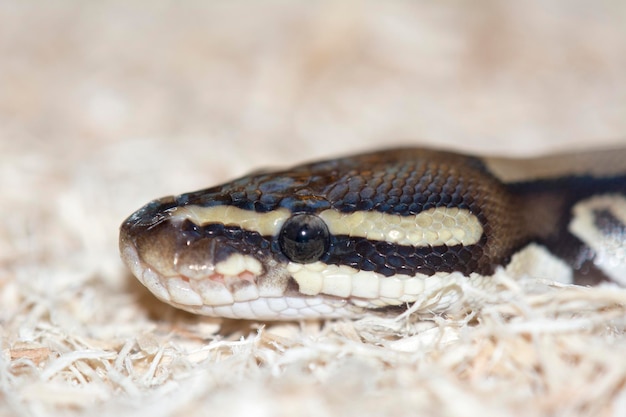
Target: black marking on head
229	240
389	259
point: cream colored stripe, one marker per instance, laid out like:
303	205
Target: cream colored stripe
437	226
267	224
433	227
370	289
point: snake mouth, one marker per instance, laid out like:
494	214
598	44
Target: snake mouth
212	289
231	296
181	267
211	276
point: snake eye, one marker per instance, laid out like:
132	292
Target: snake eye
304	238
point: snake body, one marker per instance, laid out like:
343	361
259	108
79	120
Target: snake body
384	229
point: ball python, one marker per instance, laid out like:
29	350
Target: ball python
381	230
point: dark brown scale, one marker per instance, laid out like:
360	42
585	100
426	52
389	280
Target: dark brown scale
418	180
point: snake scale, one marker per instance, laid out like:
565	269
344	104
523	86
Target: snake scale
381	230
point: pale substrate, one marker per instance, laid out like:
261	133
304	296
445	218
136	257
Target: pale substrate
110	104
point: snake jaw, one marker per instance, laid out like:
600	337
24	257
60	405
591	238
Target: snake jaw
206	275
180	267
227	296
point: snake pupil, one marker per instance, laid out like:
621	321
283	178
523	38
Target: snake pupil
304	238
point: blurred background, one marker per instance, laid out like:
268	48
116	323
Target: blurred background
302	79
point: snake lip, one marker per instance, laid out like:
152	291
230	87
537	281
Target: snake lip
184	267
238	297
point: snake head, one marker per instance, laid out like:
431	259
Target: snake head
328	239
215	269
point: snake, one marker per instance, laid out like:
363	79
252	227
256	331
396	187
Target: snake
380	231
